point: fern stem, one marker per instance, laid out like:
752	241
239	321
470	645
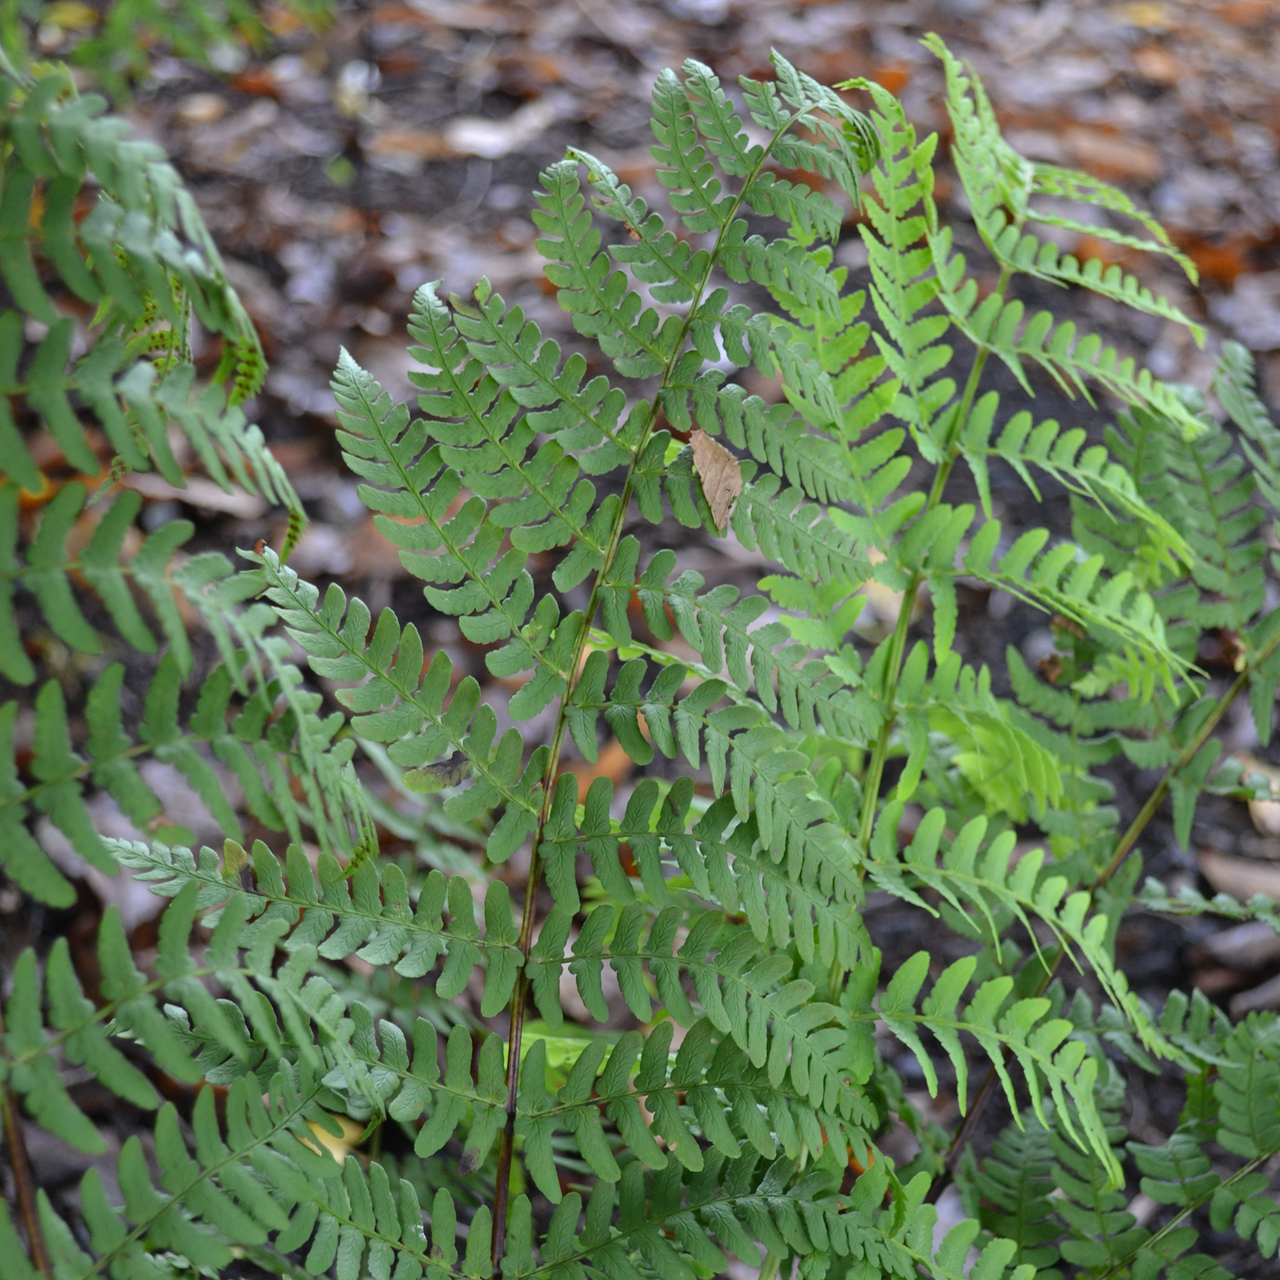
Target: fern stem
87	767
1124	847
520	994
1148	810
898	646
12	573
11	1125
1152	1242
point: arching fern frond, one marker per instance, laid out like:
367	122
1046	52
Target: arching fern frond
1088	1225
1041	1047
144	257
1091	473
653	1004
1061	582
1072	360
1001	185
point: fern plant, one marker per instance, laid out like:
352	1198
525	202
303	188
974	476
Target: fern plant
726	1089
106	263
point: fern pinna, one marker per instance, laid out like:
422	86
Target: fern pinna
722	1088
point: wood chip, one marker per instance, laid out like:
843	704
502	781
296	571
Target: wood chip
720	474
1247	946
1265	813
1240	877
1267	996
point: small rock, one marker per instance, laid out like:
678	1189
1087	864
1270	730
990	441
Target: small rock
202	108
1267	996
1247	946
1252	311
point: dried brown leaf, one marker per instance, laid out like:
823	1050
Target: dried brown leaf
720	474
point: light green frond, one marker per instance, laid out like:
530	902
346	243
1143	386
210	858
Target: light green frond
1041	1047
1062	582
1073	361
1001	183
1089	472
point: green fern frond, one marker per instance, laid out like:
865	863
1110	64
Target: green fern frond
1016	1181
59	774
1061	582
370	908
402	699
1188	901
1001	184
1073	361
80	1031
112	56
959	880
902	286
145	257
1091	474
48	566
1235	386
724	1092
1048	1058
1084	188
1202	484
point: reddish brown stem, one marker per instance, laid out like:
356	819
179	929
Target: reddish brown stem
12	1127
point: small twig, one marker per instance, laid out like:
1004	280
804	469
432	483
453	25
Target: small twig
12	1127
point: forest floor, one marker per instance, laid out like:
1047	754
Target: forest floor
403	145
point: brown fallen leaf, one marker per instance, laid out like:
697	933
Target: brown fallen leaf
1246	13
405	145
1219	260
720	474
